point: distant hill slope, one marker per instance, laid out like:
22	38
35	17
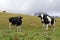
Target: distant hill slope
31	25
27	20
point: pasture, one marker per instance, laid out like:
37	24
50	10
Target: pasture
32	28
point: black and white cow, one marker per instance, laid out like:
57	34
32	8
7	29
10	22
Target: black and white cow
17	21
47	21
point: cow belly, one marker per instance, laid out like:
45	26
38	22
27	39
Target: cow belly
46	22
18	23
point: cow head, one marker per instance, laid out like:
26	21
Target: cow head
41	16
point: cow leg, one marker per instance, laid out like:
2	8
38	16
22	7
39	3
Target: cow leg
20	28
17	28
9	26
46	30
52	29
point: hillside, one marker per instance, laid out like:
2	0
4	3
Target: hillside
31	26
27	20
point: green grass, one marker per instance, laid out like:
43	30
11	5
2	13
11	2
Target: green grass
32	29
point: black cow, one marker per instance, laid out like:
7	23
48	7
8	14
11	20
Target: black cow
48	21
15	21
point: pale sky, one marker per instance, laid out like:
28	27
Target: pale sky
52	7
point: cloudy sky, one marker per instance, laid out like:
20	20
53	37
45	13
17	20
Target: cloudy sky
52	7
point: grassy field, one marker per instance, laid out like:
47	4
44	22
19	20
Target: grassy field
32	29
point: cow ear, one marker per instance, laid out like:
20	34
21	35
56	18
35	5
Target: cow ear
39	16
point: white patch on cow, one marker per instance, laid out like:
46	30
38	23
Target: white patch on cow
49	19
46	27
18	16
42	17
